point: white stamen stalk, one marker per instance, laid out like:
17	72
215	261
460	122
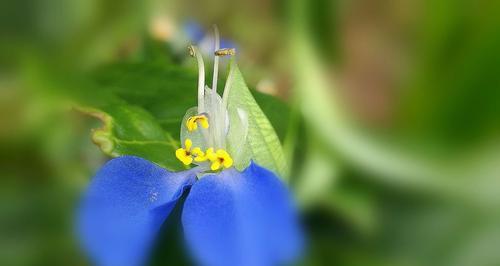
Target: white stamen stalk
216	126
201	79
216	59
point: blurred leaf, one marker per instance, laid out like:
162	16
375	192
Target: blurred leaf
318	175
452	95
460	175
264	144
437	232
164	90
322	182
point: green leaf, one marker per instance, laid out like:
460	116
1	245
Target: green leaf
392	162
277	111
142	105
262	141
130	130
166	91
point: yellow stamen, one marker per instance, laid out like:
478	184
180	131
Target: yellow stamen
199	155
219	159
211	154
184	154
192	122
187	144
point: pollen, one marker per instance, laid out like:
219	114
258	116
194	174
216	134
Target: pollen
184	154
192	122
219	159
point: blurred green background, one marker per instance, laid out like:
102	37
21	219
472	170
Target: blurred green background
389	113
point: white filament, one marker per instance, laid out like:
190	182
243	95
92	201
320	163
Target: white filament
215	107
201	80
216	59
209	101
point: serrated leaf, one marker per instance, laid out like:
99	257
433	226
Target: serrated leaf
262	140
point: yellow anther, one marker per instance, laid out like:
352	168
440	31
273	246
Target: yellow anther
191	51
210	154
225	52
199	155
184	154
192	122
219	159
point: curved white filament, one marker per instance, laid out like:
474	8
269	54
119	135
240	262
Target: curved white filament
201	80
216	59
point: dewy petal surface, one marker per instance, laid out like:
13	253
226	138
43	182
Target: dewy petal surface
124	207
241	219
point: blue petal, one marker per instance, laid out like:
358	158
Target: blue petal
124	207
240	219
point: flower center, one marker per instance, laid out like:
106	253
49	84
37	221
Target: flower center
208	124
218	159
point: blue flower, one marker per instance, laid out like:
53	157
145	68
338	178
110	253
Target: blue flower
229	218
237	213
